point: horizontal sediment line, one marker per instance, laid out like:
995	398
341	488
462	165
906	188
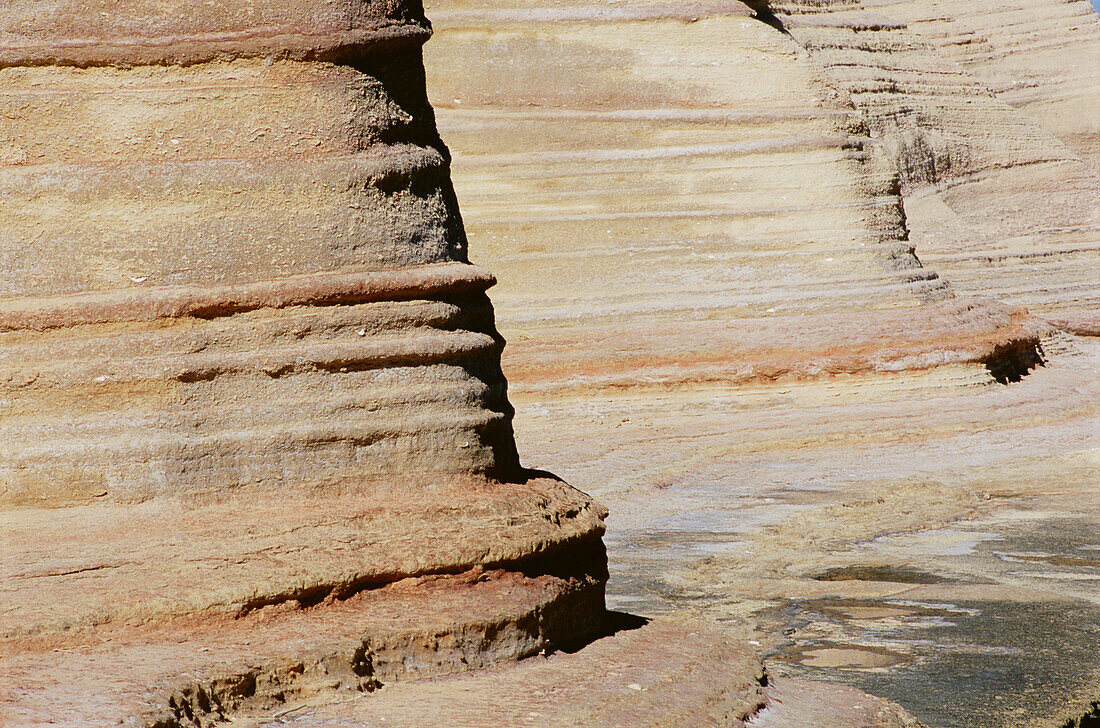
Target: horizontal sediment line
679	214
421	350
690	11
204	47
379	164
361	430
481	115
136	304
539	613
844	19
1080	323
761	146
955	332
246	551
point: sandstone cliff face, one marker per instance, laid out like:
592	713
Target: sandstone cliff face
736	224
778	286
765	272
247	370
990	111
243	272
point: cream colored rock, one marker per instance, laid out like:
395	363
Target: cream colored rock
676	197
990	111
675	260
249	380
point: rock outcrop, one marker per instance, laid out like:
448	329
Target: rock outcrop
226	264
779	280
735	225
990	111
798	288
255	436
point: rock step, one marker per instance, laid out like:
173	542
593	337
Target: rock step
133	563
193	672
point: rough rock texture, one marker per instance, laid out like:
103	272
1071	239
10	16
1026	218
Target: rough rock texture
659	674
662	674
698	203
200	672
700	193
1042	59
82	566
991	111
763	269
249	380
271	283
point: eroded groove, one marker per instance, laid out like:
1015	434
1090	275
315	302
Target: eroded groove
151	304
578	572
584	557
337	47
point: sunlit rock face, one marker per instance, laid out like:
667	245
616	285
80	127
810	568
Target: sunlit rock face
231	255
769	276
246	370
990	111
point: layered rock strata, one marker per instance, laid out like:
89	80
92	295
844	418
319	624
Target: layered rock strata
887	527
1034	224
714	213
989	111
242	271
248	372
706	241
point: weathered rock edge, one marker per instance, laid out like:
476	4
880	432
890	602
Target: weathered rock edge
168	302
567	614
1006	340
89	34
200	671
87	567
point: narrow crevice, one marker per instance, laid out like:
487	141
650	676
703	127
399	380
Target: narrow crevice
755	709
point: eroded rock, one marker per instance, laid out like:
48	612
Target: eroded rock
254	419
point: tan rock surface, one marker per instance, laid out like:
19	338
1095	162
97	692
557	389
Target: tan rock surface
994	105
1042	60
661	674
735	223
82	566
194	672
271	283
827	511
720	247
253	422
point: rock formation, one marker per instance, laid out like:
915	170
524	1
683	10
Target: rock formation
990	111
801	289
778	279
248	370
732	226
